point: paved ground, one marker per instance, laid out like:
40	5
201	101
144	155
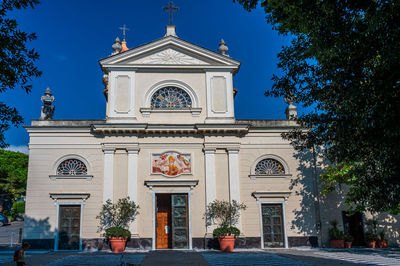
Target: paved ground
7	230
325	257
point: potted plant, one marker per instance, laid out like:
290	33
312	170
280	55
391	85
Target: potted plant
348	240
114	221
382	242
226	214
336	236
371	238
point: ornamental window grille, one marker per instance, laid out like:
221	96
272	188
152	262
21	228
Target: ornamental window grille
269	167
171	98
72	167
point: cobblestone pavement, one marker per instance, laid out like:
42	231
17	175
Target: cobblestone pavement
372	258
249	259
325	257
106	260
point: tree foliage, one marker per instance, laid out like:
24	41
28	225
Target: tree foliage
344	60
223	212
17	64
119	214
13	173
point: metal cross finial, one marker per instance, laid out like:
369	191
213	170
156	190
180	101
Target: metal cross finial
124	28
170	8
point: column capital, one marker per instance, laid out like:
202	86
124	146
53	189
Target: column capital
133	150
233	150
108	150
209	150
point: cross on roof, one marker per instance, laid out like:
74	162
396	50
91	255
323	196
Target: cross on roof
124	28
170	8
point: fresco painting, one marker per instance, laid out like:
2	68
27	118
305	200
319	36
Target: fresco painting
171	164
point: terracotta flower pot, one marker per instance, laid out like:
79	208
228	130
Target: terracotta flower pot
226	243
118	244
347	244
371	244
336	243
385	243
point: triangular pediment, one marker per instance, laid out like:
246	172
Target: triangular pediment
169	51
167	56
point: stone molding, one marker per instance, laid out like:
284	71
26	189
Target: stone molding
270	194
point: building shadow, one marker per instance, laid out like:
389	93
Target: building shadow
38	233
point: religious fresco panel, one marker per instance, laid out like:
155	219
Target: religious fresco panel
171	164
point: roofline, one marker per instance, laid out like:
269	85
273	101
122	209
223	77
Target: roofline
222	57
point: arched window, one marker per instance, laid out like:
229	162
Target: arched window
72	167
171	98
269	167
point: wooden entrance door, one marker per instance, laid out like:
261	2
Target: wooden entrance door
172	221
163	218
354	225
272	219
69	227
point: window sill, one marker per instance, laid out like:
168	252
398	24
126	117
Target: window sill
270	176
55	177
147	111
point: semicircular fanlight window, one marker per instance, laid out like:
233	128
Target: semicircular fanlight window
269	167
171	98
72	167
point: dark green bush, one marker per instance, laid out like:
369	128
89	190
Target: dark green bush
334	232
117	231
225	230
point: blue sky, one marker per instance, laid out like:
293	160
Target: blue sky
73	35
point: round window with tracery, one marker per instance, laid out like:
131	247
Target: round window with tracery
171	98
269	167
72	167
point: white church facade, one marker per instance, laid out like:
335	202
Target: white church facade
170	141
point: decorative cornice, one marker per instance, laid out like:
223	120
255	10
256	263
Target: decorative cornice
72	177
269	194
171	183
253	177
66	196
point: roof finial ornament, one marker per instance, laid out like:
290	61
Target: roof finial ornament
170	8
124	29
47	110
124	47
116	46
223	49
291	110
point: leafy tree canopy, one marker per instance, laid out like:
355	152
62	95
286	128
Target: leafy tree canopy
344	60
13	173
17	64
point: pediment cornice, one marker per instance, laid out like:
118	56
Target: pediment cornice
169	51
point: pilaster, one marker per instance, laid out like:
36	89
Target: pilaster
234	179
211	192
108	182
133	183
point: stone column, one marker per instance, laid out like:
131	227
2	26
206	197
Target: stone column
211	192
108	182
234	181
133	183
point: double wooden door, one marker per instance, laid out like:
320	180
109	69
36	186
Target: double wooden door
69	227
172	221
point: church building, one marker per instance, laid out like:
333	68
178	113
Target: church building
170	141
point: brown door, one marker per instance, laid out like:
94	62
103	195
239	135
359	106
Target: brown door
353	225
69	227
163	218
162	230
